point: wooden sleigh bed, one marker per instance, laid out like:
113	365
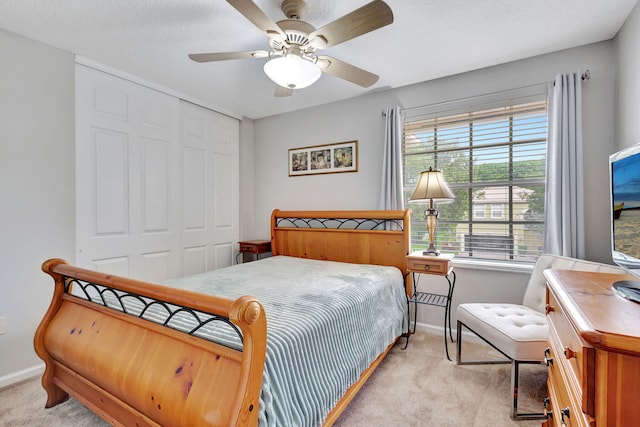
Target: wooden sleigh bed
135	369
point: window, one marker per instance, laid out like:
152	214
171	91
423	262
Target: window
496	211
493	157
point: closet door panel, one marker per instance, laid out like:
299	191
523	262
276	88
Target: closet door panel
223	254
113	265
109	102
223	181
210	193
195	260
157	265
156	186
127	174
195	189
197	233
226	181
110	151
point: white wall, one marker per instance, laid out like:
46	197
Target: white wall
37	218
628	84
361	119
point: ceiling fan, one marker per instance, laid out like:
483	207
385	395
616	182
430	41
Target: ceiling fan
293	62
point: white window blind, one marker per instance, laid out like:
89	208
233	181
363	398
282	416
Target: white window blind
493	158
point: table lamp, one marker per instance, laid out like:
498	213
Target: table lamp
431	185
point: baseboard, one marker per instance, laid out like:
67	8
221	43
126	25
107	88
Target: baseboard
437	330
24	374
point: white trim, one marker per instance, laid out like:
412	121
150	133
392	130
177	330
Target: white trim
437	330
16	377
81	60
474	264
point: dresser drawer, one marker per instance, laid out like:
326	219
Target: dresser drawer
565	409
572	354
430	265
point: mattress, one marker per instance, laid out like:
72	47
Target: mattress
326	323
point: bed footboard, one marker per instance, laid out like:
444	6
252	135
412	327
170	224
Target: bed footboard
140	354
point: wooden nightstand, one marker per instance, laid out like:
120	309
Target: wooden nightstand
440	265
248	248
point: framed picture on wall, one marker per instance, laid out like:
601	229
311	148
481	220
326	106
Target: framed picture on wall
332	158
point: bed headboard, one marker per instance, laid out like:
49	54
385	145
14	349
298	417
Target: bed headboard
362	237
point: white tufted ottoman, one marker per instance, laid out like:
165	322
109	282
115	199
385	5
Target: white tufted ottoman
517	331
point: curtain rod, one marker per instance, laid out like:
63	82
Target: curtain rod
585	76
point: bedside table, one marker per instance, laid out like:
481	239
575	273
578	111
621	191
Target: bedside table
440	265
253	247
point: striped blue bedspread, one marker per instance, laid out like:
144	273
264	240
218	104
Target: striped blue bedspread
326	323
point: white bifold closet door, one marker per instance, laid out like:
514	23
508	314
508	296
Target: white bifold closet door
156	181
210	200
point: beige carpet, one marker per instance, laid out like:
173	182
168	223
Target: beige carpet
413	387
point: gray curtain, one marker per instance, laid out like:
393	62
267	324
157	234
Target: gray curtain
391	197
564	207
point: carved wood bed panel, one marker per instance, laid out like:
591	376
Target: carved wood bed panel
134	371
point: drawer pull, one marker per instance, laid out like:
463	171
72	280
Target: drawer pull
568	353
565	413
547	404
427	267
548	360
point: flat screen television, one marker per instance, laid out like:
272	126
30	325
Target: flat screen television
624	174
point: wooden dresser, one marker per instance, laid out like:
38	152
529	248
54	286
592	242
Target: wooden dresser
594	351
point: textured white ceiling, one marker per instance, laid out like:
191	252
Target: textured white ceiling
428	39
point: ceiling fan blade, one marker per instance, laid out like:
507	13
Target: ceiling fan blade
254	14
282	92
346	71
369	17
223	56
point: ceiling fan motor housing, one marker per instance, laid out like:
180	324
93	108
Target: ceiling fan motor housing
297	33
294	9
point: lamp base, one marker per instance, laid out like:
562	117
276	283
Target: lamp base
431	251
432	219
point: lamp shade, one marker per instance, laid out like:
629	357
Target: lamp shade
431	185
292	72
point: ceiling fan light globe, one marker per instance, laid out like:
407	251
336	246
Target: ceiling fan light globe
292	72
